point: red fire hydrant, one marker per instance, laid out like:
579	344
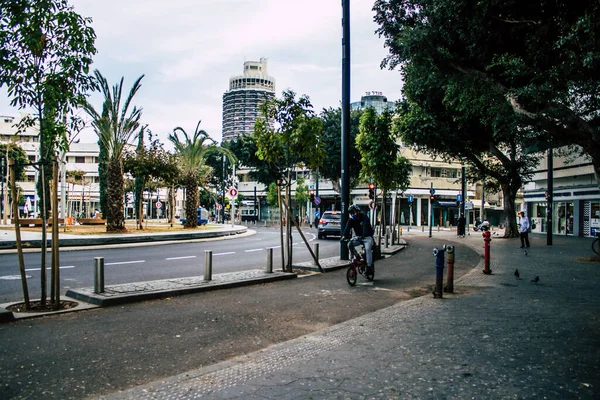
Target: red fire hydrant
486	252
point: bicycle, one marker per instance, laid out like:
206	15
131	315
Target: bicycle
596	244
359	266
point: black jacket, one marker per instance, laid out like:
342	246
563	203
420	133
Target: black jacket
361	225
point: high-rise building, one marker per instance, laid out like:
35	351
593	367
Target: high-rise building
246	93
373	99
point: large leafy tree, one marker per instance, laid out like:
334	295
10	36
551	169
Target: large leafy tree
450	111
192	152
331	142
115	125
541	58
46	49
380	158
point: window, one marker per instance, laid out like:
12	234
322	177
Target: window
80	160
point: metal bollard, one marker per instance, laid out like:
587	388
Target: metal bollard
439	272
269	260
486	252
98	274
208	265
450	274
316	250
386	241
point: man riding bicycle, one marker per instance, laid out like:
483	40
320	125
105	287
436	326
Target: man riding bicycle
363	233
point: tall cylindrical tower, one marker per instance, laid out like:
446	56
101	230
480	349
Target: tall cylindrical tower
246	93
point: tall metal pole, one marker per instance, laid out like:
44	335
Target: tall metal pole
345	119
223	192
464	191
549	200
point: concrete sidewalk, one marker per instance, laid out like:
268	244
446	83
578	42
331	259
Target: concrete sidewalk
496	337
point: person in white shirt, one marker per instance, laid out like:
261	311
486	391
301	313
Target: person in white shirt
524	229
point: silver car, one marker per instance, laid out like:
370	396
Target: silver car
330	224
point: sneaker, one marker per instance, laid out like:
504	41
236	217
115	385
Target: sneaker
522	247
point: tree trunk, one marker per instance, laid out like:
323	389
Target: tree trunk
510	215
191	202
15	219
115	218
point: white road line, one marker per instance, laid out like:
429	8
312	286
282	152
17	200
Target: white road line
179	258
224	254
39	269
126	262
250	251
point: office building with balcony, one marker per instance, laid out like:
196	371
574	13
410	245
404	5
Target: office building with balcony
245	95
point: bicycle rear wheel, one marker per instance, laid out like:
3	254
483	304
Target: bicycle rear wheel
351	275
596	246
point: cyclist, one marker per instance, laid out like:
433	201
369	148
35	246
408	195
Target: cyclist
363	233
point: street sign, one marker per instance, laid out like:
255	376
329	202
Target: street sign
410	198
469	205
219	206
317	200
317	214
372	205
432	191
158	204
311	187
459	197
233	192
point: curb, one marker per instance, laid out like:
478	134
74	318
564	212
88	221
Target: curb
106	300
123	239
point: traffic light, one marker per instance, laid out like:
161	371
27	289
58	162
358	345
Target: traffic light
371	191
312	195
431	198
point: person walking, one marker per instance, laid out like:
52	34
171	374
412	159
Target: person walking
524	229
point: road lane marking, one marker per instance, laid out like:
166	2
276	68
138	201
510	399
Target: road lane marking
179	258
251	250
224	254
125	262
39	269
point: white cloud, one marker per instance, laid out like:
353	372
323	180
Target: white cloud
188	50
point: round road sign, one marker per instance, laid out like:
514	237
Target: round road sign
233	192
219	206
372	205
158	204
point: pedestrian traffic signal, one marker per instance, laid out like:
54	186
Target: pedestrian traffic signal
371	191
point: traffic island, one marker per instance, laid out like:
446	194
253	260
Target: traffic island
141	291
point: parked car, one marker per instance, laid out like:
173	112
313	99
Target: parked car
330	224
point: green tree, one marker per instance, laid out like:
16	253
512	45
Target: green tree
288	135
380	159
45	53
115	127
147	164
192	152
453	113
540	58
331	142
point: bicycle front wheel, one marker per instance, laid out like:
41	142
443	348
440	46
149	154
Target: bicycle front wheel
351	275
596	246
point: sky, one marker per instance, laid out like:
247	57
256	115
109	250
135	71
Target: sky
188	50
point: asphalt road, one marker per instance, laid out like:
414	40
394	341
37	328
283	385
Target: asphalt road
89	353
126	264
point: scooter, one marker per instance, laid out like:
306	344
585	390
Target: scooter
481	226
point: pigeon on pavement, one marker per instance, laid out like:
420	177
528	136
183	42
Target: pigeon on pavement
517	275
535	280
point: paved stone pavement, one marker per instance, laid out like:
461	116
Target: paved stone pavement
496	337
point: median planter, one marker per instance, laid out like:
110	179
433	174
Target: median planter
91	221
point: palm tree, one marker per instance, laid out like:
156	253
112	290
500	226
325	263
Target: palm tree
115	127
192	153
